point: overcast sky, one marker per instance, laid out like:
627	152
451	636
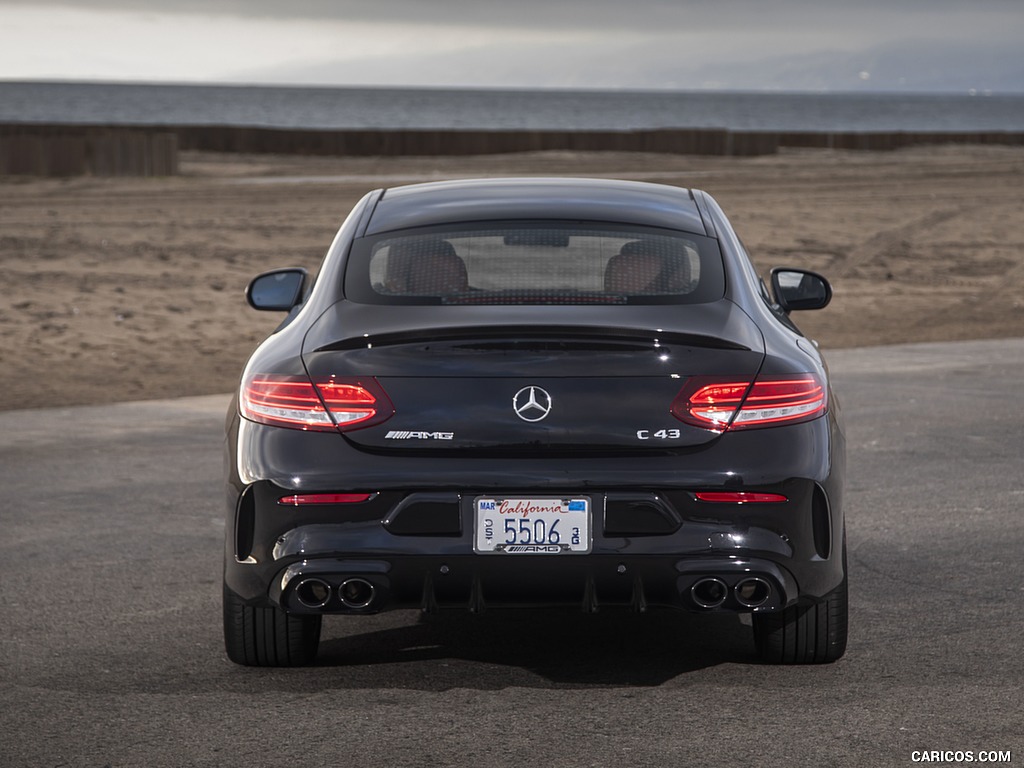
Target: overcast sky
951	45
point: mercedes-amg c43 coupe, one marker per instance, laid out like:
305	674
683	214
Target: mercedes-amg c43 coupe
535	393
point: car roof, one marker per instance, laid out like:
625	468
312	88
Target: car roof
603	200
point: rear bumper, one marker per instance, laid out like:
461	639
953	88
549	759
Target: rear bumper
653	542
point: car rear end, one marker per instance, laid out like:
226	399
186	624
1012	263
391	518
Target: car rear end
531	412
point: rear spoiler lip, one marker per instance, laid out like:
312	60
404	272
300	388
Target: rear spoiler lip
525	333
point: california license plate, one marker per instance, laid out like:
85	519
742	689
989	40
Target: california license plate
532	526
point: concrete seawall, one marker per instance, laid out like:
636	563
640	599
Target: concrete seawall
72	150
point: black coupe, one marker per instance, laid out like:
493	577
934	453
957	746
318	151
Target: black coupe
535	392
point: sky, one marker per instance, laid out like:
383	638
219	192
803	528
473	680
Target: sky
793	45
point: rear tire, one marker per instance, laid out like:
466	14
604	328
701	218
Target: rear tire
268	637
805	634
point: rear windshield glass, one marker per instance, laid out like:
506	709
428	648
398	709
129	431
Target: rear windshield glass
535	264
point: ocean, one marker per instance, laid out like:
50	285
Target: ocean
437	108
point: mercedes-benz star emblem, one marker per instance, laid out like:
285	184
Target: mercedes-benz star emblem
531	403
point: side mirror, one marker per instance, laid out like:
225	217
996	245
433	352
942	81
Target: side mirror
800	289
277	291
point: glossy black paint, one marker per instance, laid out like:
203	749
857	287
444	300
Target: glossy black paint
614	371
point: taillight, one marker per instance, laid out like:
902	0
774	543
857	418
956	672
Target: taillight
731	404
324	405
710	405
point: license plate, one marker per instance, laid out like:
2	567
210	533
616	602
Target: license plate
533	526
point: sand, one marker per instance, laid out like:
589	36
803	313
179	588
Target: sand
127	289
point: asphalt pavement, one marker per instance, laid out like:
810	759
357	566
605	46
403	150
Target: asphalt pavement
111	651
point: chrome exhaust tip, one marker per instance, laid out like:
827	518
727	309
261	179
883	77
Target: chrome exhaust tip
752	592
356	593
313	593
709	592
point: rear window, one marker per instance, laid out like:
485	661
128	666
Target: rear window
543	263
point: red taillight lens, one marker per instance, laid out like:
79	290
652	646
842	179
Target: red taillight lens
349	403
782	399
284	401
736	404
710	405
322	406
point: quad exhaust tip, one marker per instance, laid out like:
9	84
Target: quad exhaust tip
709	592
356	593
752	592
313	593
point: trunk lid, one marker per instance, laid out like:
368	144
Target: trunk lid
498	379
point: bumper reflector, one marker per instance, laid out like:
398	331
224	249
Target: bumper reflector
740	497
301	500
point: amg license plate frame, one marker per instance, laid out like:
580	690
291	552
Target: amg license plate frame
532	525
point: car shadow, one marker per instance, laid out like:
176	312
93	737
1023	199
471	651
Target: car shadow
536	649
532	648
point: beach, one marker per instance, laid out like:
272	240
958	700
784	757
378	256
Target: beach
127	288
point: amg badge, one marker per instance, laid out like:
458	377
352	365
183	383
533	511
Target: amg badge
399	435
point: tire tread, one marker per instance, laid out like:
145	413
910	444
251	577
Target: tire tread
805	634
257	636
